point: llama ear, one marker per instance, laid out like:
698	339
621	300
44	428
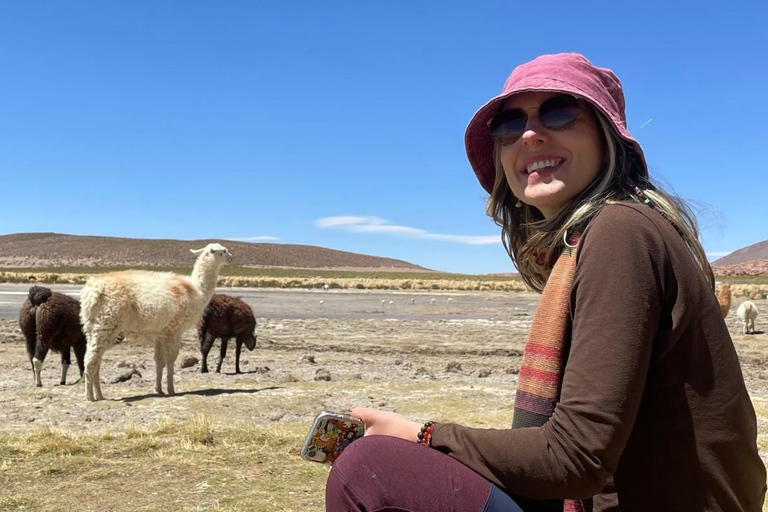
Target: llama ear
196	252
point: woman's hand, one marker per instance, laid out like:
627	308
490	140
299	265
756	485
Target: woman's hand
384	423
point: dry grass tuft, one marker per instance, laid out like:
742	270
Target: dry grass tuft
198	431
55	442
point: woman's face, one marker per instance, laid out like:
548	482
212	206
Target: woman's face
546	168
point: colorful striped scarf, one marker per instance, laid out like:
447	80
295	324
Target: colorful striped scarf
541	373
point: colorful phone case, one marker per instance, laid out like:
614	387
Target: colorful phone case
330	433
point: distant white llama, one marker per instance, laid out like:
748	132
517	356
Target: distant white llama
153	307
747	313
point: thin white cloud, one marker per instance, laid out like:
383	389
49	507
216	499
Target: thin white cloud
377	225
717	254
463	239
254	239
348	220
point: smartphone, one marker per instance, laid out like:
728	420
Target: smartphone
330	433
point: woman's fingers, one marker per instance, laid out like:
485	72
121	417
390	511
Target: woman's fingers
364	413
386	423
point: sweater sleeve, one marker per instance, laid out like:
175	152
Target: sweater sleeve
616	301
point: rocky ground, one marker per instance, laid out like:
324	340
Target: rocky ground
746	268
458	344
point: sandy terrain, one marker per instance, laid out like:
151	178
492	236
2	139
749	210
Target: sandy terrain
388	345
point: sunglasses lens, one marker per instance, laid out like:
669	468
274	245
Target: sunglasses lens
556	113
508	126
559	112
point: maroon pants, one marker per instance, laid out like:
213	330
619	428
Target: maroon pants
383	473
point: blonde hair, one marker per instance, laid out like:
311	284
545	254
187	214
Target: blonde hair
533	242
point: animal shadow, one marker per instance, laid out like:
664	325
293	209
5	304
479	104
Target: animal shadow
200	392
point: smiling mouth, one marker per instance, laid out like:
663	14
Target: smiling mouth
542	164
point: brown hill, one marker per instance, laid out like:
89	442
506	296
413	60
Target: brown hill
747	261
754	252
53	249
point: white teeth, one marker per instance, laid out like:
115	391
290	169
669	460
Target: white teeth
541	164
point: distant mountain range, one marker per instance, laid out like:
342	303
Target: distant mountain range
30	250
751	260
53	250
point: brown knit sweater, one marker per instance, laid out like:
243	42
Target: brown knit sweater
652	391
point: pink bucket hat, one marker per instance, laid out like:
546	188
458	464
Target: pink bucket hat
569	73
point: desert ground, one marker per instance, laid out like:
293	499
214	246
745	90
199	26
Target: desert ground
231	442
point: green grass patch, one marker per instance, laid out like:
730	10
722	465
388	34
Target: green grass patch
239	276
743	279
244	271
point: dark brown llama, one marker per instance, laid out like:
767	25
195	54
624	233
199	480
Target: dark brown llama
51	321
226	317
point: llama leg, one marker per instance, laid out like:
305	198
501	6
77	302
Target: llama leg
172	347
222	353
99	360
65	361
41	350
238	346
206	342
92	365
80	357
99	340
90	373
38	369
159	364
97	380
31	356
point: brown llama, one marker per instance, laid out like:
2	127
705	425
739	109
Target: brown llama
724	299
226	317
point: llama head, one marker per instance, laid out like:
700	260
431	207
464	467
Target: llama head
39	294
249	339
218	252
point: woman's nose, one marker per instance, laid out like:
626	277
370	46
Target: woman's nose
534	132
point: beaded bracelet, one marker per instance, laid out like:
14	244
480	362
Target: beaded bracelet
425	434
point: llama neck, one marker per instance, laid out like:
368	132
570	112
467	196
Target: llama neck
204	275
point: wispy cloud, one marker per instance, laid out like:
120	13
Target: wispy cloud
377	225
254	239
717	254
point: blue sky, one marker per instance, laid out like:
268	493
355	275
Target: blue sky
340	124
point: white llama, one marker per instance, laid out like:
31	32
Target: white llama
153	307
747	313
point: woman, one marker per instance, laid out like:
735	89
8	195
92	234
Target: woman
630	396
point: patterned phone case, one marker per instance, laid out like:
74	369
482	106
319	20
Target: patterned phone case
330	433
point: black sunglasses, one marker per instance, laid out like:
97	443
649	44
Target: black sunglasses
556	113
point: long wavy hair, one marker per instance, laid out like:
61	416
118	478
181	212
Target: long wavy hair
533	242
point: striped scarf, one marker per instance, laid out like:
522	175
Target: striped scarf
541	373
